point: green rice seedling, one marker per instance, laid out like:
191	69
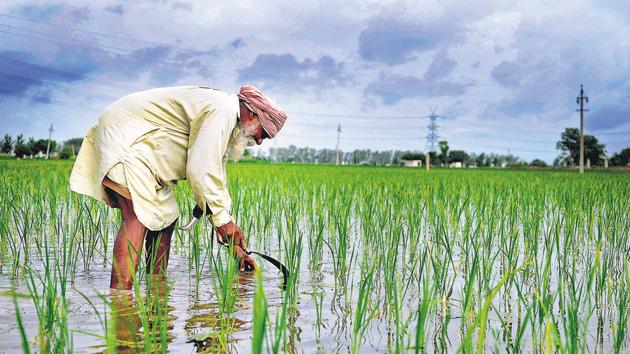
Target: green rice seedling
18	320
315	239
365	310
280	325
620	329
225	270
50	304
293	246
259	322
439	243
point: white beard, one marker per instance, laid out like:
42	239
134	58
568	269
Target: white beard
240	139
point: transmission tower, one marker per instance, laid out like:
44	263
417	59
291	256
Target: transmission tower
432	136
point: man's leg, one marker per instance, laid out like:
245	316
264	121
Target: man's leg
128	245
158	249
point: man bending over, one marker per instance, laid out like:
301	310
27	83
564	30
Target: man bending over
144	143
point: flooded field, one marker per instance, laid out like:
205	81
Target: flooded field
380	260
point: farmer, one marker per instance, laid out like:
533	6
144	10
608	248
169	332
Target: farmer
147	141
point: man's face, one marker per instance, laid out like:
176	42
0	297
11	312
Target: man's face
252	126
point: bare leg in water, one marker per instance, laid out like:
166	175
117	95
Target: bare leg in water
128	244
158	244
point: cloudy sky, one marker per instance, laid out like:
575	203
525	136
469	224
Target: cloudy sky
503	75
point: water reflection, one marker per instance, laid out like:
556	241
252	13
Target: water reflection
140	323
145	320
212	330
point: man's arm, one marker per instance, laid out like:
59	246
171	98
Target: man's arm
209	136
207	144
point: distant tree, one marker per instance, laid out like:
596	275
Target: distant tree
41	145
382	157
22	150
570	143
538	163
512	160
457	156
496	160
483	160
434	160
443	152
412	156
75	143
66	152
397	157
563	160
31	144
621	158
7	144
471	160
19	139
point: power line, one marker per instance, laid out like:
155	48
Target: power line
58	41
389	138
64	74
83	30
351	116
40	83
119	51
289	124
333	126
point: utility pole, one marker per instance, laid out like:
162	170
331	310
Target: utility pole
50	131
338	136
580	100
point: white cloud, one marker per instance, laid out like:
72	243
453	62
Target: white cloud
521	62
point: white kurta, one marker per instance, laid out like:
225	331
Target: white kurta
159	137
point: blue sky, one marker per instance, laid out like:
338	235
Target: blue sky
503	74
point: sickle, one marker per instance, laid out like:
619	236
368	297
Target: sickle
276	263
197	214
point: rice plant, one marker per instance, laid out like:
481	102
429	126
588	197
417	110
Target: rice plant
379	259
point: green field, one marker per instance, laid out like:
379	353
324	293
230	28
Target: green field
381	260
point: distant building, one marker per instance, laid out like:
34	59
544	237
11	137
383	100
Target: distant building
413	163
456	164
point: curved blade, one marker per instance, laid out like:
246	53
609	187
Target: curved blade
197	214
190	224
277	264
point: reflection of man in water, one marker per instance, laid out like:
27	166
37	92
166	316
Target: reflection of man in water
145	142
126	320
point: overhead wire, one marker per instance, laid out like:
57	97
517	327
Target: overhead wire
127	51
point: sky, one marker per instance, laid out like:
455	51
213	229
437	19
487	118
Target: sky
502	75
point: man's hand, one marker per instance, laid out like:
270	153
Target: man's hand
230	233
245	261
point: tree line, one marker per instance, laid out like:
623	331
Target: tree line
444	157
33	147
594	151
569	147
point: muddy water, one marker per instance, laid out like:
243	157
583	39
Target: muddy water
192	310
193	314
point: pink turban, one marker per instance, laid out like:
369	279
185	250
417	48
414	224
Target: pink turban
269	113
